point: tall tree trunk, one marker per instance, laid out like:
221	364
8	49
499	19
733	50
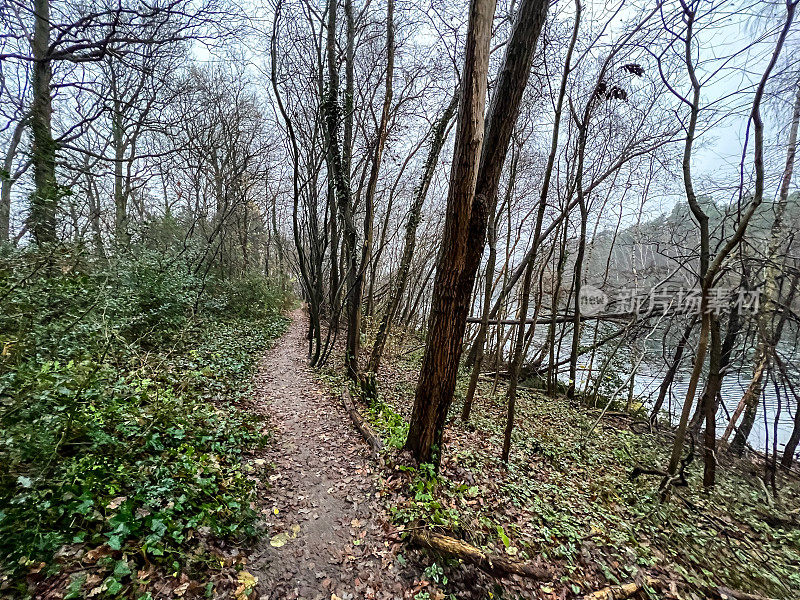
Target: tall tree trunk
120	197
118	143
7	180
400	280
672	370
577	283
718	368
548	170
474	179
445	329
516	361
334	298
552	368
304	264
750	402
338	163
767	305
385	229
349	80
709	269
709	404
44	200
702	222
480	340
94	211
372	184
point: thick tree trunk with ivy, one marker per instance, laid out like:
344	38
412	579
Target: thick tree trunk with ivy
44	199
339	173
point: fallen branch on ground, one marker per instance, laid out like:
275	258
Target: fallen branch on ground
494	565
363	427
789	521
729	594
619	592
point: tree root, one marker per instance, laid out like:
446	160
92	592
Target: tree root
363	427
494	565
619	592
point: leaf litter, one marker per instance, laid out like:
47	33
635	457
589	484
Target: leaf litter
328	535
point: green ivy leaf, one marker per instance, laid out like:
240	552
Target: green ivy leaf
115	542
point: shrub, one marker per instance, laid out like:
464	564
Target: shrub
117	389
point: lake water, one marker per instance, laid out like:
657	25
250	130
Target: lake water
650	376
648	381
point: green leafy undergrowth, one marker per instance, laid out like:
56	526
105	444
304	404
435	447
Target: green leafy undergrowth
390	426
566	497
118	393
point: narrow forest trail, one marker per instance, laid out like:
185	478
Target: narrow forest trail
326	538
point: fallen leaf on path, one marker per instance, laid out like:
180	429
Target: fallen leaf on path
181	589
246	584
278	540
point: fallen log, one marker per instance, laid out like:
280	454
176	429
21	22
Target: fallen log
620	592
729	594
790	521
494	565
363	427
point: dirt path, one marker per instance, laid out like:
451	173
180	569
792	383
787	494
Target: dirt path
326	536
